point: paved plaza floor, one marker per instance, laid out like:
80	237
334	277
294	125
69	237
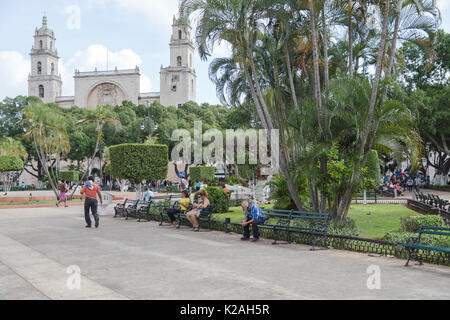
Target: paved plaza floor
42	250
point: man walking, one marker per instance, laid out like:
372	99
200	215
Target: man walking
91	190
253	216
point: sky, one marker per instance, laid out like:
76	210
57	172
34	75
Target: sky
133	32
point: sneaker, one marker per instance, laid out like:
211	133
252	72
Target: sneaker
88	226
245	238
97	222
255	239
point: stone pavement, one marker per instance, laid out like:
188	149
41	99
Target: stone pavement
42	249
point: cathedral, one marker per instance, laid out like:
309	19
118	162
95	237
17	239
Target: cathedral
177	81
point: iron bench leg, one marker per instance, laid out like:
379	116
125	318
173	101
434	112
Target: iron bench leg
409	257
275	235
161	219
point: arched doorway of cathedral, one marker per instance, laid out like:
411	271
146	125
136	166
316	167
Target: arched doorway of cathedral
105	93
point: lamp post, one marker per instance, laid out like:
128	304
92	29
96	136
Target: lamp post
148	111
149	129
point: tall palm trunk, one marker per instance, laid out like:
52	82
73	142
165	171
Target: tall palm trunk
350	38
393	47
376	81
290	76
268	125
347	198
323	160
317	90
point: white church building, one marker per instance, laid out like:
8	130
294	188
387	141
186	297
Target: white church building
177	81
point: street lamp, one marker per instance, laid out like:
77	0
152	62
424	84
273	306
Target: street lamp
149	127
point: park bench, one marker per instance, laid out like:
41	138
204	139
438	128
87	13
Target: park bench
176	206
205	216
120	208
433	201
137	209
370	195
158	204
287	221
413	244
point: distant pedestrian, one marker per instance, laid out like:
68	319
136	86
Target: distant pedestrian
24	186
62	193
91	190
410	184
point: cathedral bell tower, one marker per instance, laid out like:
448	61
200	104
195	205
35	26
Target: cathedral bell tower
179	81
44	80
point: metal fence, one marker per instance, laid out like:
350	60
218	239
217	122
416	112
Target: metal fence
356	244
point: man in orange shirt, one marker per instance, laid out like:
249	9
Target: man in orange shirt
91	190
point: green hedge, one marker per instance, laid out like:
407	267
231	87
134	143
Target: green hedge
412	224
201	173
138	162
10	163
70	175
218	198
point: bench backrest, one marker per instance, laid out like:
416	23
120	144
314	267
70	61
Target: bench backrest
207	211
441	231
296	214
284	217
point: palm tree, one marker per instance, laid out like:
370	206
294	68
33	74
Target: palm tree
237	22
99	118
50	140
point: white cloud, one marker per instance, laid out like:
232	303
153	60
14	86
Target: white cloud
442	4
95	56
14	70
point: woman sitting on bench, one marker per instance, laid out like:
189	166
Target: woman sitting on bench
194	214
184	206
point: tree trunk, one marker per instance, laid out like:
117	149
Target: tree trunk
376	81
317	90
393	48
268	125
350	38
291	78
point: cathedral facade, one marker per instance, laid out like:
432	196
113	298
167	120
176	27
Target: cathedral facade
177	81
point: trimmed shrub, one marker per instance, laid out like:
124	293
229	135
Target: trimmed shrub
10	163
428	240
218	198
138	162
201	173
70	175
412	224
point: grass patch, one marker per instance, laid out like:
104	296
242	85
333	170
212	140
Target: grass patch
36	202
383	218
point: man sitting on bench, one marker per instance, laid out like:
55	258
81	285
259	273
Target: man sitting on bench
253	215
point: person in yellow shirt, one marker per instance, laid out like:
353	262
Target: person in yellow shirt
185	201
184	206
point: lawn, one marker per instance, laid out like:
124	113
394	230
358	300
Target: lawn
36	202
382	218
